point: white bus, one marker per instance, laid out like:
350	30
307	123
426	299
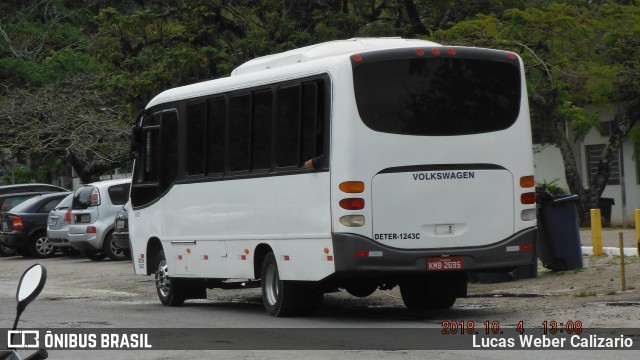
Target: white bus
422	173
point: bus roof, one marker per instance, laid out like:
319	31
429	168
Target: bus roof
296	56
325	50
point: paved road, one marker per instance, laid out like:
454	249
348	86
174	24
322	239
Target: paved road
81	294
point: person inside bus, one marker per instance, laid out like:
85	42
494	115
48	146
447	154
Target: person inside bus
314	163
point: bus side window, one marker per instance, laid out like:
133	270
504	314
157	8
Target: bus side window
313	122
288	127
261	130
150	171
196	138
239	132
309	128
216	135
169	150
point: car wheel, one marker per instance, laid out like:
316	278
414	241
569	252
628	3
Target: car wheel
95	255
112	251
168	289
41	247
7	251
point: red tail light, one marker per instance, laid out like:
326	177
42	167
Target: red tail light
91	230
352	204
528	198
67	217
17	223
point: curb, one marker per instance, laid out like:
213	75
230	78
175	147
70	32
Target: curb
612	251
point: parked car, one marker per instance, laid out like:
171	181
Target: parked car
121	232
58	226
24	227
7	201
93	213
18	188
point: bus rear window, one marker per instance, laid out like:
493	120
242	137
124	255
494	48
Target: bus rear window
437	96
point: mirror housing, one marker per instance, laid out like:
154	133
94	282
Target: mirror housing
30	285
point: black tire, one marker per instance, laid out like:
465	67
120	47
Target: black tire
361	290
69	251
111	250
415	296
168	289
40	247
286	298
95	255
7	251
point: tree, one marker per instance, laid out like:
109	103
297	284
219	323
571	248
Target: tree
70	120
574	56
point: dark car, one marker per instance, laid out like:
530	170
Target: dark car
20	188
24	227
7	201
121	232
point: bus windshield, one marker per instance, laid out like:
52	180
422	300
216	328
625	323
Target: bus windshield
437	96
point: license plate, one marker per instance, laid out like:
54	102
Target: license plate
444	263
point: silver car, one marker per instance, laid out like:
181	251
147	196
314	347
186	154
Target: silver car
58	227
93	214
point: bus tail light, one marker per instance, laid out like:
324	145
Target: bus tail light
352	204
528	215
352	187
527	182
528	198
17	223
352	220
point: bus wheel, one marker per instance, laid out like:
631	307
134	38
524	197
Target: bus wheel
168	291
415	296
286	298
361	290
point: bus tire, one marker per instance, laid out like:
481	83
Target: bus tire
168	290
286	298
415	295
361	290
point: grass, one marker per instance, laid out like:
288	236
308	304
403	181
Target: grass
585	293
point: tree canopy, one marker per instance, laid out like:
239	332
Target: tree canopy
71	68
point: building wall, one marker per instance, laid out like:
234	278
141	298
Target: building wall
549	166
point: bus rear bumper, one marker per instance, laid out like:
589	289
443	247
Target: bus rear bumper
357	255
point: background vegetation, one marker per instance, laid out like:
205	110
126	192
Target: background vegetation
73	74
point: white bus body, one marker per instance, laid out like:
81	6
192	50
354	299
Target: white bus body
398	199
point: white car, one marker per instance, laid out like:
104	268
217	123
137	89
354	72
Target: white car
93	214
58	226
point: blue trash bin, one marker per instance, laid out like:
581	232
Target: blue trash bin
560	247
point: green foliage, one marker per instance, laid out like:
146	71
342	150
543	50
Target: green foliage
19	175
552	187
